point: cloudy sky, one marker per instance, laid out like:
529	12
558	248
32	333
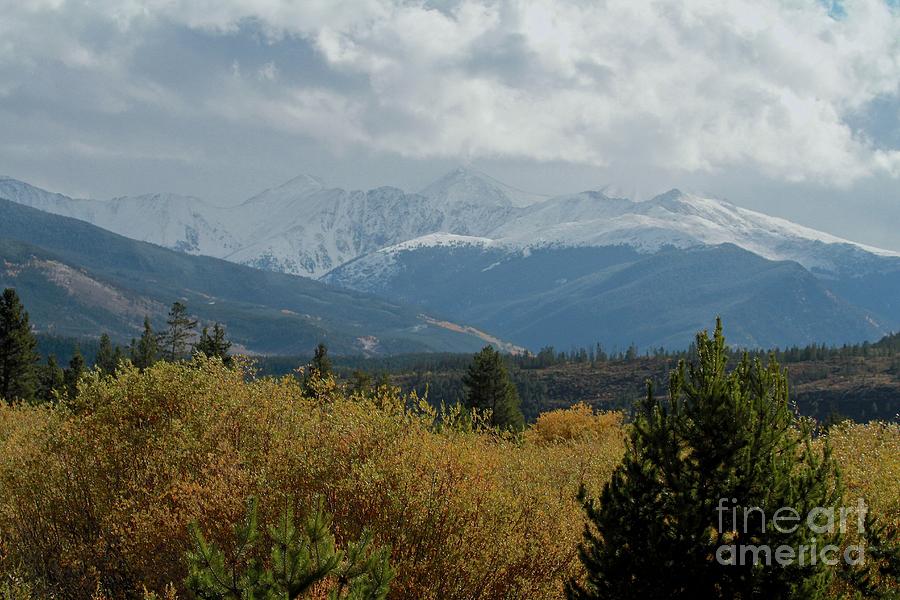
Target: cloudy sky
791	107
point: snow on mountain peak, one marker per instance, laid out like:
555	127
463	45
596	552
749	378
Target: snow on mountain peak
299	186
465	185
438	239
305	228
303	181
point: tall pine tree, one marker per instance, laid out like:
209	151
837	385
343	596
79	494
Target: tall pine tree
488	387
722	437
174	342
317	370
17	354
145	351
72	375
107	357
321	364
51	380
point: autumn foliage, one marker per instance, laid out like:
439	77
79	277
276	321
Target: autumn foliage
98	494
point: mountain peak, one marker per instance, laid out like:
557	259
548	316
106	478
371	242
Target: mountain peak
673	193
464	175
471	186
29	195
302	183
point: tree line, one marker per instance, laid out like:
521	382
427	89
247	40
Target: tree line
549	356
24	378
488	388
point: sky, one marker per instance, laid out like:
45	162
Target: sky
790	107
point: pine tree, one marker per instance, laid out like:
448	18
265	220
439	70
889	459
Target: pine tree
214	345
658	531
317	370
361	382
72	375
51	380
174	342
631	353
145	351
17	354
302	559
321	364
488	387
107	357
383	381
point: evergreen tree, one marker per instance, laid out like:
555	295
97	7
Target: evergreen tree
214	345
302	559
661	530
321	364
72	375
51	380
317	370
488	387
17	354
174	342
145	351
383	380
631	353
107	357
361	382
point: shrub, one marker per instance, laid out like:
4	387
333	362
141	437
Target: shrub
575	423
98	493
869	456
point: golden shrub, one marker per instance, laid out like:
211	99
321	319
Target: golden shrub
98	495
869	459
868	456
95	497
575	423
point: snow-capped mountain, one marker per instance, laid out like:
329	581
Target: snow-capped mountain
509	261
681	220
305	230
308	228
183	223
472	203
302	227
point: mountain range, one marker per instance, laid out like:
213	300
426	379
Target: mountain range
532	269
78	280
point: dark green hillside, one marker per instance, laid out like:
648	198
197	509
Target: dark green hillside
566	296
77	279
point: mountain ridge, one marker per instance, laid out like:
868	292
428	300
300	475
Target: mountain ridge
308	228
467	251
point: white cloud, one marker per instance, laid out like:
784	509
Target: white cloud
268	72
688	86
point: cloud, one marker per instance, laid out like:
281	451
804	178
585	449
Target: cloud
776	87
